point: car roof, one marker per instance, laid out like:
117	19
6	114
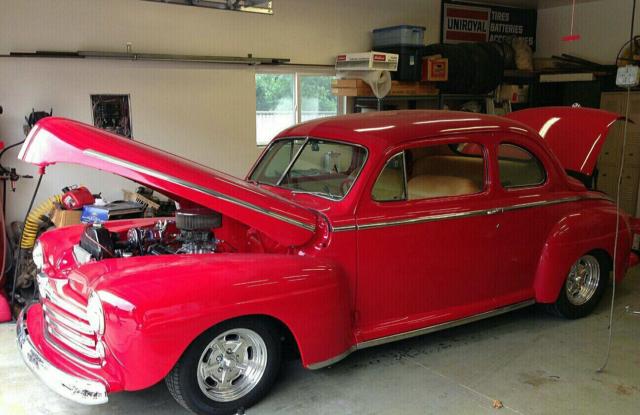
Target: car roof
388	128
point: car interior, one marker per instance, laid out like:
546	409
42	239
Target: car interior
453	170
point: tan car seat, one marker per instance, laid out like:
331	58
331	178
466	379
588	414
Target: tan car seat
428	186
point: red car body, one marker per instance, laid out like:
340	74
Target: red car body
340	275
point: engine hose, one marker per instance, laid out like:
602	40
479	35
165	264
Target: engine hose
34	220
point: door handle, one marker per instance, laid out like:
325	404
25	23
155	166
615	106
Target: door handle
494	211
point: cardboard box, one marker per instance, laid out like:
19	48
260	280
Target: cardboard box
367	61
435	69
352	92
62	217
399	88
348	83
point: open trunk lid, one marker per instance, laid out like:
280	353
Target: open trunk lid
575	135
58	140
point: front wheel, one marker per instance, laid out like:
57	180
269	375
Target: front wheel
231	366
583	287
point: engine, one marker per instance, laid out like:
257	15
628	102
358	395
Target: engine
190	233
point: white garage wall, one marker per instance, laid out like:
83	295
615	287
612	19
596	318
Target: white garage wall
203	112
603	25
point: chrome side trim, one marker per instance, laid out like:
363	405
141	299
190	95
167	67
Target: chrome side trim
193	186
344	228
456	215
419	332
84	391
332	360
423	219
443	326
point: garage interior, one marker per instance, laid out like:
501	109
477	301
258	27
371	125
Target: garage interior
214	82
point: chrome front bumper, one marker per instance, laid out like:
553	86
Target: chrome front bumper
84	391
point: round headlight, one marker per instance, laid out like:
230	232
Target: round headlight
38	255
95	314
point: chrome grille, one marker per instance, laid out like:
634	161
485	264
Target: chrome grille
66	324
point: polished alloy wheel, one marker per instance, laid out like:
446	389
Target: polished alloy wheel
232	365
582	282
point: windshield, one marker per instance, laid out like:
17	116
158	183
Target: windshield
321	167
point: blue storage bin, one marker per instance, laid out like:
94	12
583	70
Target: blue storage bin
403	35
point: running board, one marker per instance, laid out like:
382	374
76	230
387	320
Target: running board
420	332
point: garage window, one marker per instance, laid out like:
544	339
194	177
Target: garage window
285	99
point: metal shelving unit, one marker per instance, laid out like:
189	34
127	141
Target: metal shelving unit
412	100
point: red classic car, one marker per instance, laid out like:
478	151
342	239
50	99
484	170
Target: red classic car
347	233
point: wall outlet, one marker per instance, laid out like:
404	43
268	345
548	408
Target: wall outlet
628	76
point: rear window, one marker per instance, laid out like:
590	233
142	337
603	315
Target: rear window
518	167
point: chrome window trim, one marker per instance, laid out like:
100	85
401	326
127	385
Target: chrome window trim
311	137
545	179
420	332
457	215
404	174
172	179
293	160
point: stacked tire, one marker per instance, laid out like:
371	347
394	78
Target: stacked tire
474	68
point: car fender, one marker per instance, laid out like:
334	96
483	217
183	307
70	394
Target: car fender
568	241
156	306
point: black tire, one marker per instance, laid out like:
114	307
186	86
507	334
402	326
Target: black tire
509	55
565	307
182	381
459	76
496	65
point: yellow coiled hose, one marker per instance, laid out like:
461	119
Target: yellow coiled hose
34	219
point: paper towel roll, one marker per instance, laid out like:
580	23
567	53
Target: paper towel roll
379	81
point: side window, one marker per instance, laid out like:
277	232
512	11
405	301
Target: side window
445	170
390	183
518	167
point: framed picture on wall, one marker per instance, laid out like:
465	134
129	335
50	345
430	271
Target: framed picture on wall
112	113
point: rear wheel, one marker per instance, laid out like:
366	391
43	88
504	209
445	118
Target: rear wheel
583	287
229	367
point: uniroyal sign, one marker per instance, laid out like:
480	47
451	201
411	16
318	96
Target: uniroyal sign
467	22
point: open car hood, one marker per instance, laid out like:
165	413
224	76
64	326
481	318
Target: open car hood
575	135
58	140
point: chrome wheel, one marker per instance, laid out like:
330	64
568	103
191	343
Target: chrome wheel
232	365
583	280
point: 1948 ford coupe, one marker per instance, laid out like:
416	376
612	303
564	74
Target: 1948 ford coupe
347	233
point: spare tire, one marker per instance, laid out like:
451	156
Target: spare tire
496	64
457	76
509	55
479	68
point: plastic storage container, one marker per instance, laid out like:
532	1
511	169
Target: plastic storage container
409	62
404	35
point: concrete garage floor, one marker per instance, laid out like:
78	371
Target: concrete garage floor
532	362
